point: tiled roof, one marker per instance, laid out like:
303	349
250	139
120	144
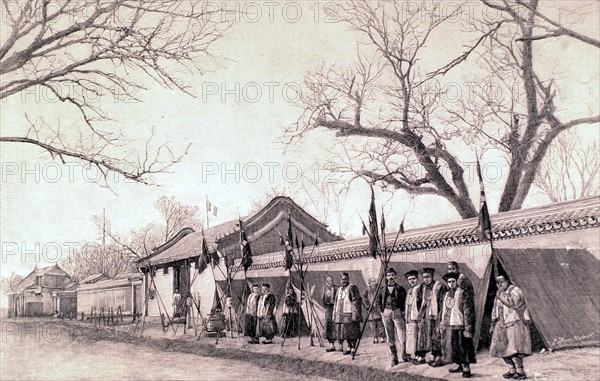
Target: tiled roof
93	278
571	215
119	281
188	244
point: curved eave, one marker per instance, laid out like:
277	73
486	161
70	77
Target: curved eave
549	219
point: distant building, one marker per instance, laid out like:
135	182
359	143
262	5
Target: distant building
173	264
98	295
45	291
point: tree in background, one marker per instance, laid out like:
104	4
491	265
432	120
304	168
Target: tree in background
7	282
87	53
570	169
115	253
388	108
177	215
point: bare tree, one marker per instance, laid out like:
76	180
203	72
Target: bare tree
327	197
7	282
145	239
531	119
177	216
93	258
87	51
390	107
569	170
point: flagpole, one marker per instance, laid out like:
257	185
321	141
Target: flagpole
384	258
206	210
484	221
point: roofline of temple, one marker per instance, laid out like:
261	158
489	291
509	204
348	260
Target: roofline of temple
558	217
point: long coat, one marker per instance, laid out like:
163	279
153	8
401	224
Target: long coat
251	318
267	326
328	299
430	304
457	318
511	335
347	312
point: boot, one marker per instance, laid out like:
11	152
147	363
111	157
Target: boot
394	353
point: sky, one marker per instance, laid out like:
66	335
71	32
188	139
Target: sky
235	126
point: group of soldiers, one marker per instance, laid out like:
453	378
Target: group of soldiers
431	323
433	319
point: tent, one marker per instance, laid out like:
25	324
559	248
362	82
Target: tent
561	293
278	288
314	282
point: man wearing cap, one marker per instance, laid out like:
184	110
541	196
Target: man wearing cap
463	281
430	297
391	303
347	314
511	338
251	311
267	326
328	298
412	312
374	317
457	324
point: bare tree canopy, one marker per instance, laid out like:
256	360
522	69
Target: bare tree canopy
116	253
86	51
388	106
177	216
7	282
570	169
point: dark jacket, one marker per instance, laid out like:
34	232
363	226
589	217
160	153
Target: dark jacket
397	297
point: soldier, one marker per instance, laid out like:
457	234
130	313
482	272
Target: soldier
347	314
430	297
511	339
457	324
267	326
251	314
328	298
463	281
374	317
412	313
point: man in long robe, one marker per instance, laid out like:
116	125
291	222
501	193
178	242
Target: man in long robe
328	298
251	315
347	314
374	318
267	326
457	325
511	338
430	298
463	281
411	313
391	303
